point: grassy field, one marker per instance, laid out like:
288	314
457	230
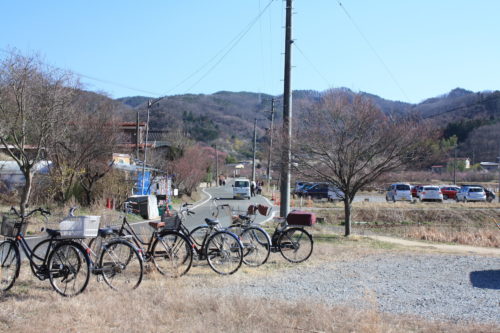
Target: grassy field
185	304
459	223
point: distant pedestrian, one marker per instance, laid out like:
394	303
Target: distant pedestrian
259	189
252	189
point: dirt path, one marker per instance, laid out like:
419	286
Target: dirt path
443	247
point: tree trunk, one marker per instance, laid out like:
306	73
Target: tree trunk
347	216
28	176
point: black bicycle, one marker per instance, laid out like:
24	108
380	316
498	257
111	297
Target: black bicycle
222	249
255	240
169	251
293	242
64	261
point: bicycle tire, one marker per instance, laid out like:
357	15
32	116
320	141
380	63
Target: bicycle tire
69	268
256	246
224	252
172	254
10	264
295	244
38	256
199	234
121	265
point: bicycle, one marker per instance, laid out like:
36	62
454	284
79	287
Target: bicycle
256	241
222	249
65	262
169	251
293	242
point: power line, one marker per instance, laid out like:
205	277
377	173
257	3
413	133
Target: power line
311	64
458	108
121	85
232	45
372	48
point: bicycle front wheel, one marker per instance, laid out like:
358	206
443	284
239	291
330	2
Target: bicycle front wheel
295	244
69	268
256	246
224	252
10	261
121	265
199	234
172	254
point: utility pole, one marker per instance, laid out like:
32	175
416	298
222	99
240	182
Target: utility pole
145	149
287	116
137	136
216	166
254	147
270	147
455	167
150	104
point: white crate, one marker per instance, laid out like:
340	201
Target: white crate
80	226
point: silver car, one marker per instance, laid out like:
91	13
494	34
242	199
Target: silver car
471	193
430	193
398	192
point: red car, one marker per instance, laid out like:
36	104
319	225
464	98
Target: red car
415	189
449	192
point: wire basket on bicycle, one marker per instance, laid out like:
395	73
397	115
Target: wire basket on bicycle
11	224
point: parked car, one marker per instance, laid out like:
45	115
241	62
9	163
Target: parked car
398	192
449	192
430	193
323	191
471	193
415	189
490	196
300	187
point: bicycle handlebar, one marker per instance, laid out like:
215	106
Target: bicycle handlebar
41	210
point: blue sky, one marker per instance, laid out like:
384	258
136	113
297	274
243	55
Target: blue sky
399	50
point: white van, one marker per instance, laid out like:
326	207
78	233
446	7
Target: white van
399	192
241	188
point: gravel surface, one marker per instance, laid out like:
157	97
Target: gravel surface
436	287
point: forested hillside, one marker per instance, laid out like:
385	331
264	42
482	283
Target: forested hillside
227	118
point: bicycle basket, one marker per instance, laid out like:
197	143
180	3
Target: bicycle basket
80	226
171	222
10	225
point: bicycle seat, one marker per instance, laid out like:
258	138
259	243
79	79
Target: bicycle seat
104	232
157	225
244	217
53	232
212	222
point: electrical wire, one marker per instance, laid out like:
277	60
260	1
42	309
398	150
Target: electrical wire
236	40
372	49
97	79
311	64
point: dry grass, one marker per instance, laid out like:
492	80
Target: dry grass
189	304
469	224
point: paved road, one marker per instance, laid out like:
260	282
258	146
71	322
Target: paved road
224	195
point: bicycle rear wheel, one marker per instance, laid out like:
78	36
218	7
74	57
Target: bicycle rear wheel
172	254
256	246
224	252
10	263
121	265
69	268
295	244
39	254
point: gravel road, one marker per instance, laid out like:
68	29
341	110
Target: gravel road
434	286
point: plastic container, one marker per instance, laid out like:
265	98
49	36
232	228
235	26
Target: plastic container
80	226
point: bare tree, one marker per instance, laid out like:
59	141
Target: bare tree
81	153
190	169
349	143
33	106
